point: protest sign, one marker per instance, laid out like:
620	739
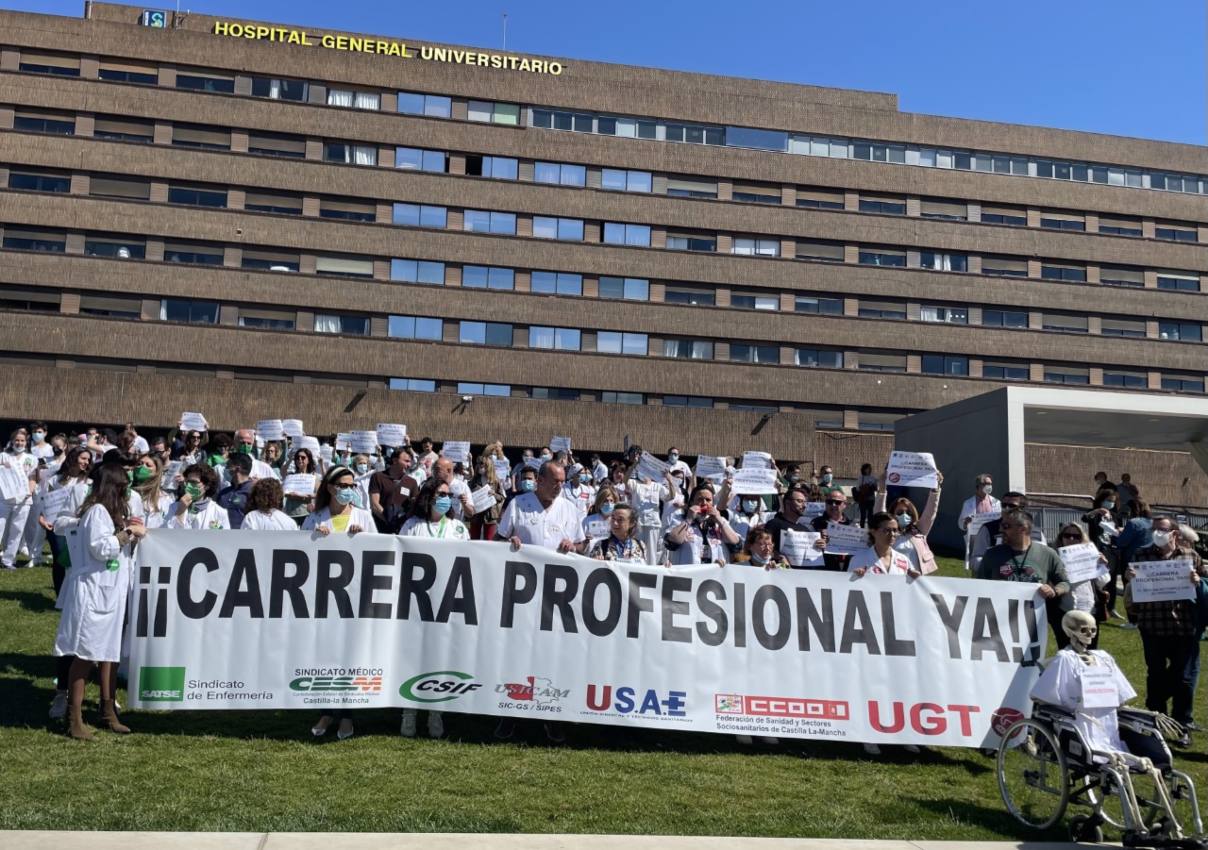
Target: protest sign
1082	562
1162	581
457	451
311	444
597	528
326	452
651	467
483	498
293	428
167	481
711	467
798	547
502	468
392	435
753	481
54	502
813	509
912	469
1099	689
560	444
364	442
978	520
845	539
193	422
757	460
14	486
270	430
301	483
343	442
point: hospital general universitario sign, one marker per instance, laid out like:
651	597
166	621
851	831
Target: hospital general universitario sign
387	47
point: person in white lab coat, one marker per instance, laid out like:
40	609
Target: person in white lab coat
647	498
195	507
94	595
14	511
264	508
145	479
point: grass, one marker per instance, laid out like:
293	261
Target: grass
261	771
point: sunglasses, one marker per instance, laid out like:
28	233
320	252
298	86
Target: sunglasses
836	501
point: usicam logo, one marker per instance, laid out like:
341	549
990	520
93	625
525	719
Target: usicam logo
760	706
534	689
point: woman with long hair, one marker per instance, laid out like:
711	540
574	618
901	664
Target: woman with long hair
145	479
264	508
298	505
913	527
94	595
483	523
429	514
1090	595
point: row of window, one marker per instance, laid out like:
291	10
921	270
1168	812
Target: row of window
780	141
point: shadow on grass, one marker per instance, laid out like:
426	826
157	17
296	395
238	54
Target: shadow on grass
29	600
995	819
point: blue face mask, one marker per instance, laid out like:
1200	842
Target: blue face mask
442	504
528	485
346	497
606	508
749	506
904	520
585	478
826	478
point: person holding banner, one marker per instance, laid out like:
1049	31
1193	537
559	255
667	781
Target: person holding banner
429	516
263	508
94	596
145	479
759	550
913	527
298	505
881	558
336	509
699	533
621	544
195	507
543	517
1020	558
596	523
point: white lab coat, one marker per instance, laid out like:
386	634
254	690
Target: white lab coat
969	508
441	529
526	518
360	517
93	596
275	521
1061	685
900	564
582	496
14	513
211	517
156	516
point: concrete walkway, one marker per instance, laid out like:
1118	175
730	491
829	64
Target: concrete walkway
37	840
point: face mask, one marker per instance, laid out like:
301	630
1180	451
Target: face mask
1109	505
985	489
142	475
585	478
216	460
39	436
904	520
194	491
672	458
442	504
244	449
749	506
362	468
1162	539
528	485
757	560
346	497
826	478
606	508
545	456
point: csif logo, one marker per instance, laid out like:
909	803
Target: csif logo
161	684
440	686
337	684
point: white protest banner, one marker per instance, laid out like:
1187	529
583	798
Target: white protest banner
813	509
483	498
978	520
54	502
711	467
912	469
651	467
293	428
343	442
534	463
560	444
14	485
391	434
597	528
300	482
1082	562
757	460
311	444
270	430
845	539
799	549
364	442
1099	689
457	451
289	620
753	481
326	452
502	468
1162	581
193	422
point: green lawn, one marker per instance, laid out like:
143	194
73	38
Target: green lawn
261	771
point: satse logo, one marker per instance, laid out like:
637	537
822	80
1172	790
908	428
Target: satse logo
161	684
625	700
440	686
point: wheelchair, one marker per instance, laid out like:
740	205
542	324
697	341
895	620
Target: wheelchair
1044	765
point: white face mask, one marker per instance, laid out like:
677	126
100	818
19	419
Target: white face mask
1162	539
985	489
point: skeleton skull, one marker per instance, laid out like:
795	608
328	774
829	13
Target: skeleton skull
1081	629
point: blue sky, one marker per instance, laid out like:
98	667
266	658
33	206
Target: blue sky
1111	66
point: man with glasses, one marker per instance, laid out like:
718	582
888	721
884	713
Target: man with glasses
836	504
990	534
1020	558
981	502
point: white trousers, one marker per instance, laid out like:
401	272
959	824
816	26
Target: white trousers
652	541
12	529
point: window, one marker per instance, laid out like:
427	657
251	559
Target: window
498	167
610	397
819	146
746	137
1066	375
691	242
111	306
945	364
818	305
1004	318
1120	226
694	135
486	333
751	246
1180	331
107	186
615	342
1180	384
201	137
557	283
39	181
418	271
878	152
1063	322
819	199
564	229
1062	221
416	159
1005	371
273	202
271	261
697	297
431	105
947	315
1178	282
207	81
869	421
883	257
276	144
686	401
488	277
943	262
1123	327
122	129
627	288
743	352
484	221
415	327
754	301
1014	216
554	394
344	265
621	180
562	174
29	239
267	320
337	323
870	309
827	252
1004	267
413	385
115	247
1112	276
875	361
420	215
1176	232
197	196
346	99
944	210
559	339
494	113
29	300
49	63
688	349
755	193
616	233
1068	274
1126	380
819	358
193	253
691	187
884	206
37	121
295	90
350	154
467	388
347	210
188	310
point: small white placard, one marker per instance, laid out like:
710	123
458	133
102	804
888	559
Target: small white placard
391	434
597	528
711	467
813	509
1082	562
560	444
757	460
293	428
484	499
1162	581
457	451
54	502
14	486
270	430
364	442
193	422
651	467
845	539
753	482
799	548
309	443
912	469
502	468
343	442
301	483
1099	688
